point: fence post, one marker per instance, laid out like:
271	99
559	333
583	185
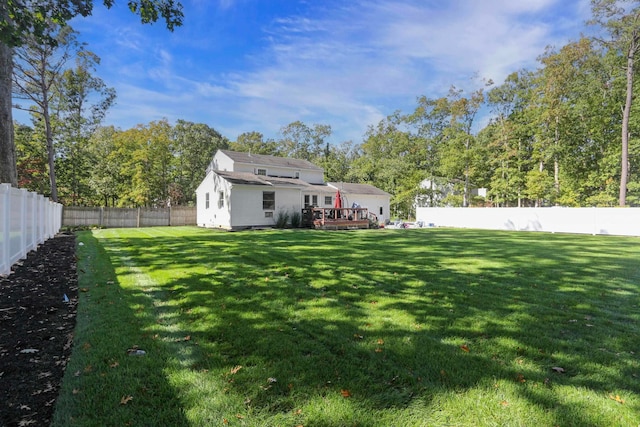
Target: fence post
23	223
5	223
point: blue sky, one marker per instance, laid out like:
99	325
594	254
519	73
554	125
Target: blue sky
258	65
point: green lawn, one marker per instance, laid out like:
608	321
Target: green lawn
426	327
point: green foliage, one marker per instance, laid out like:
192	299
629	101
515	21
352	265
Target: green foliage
20	20
253	142
282	219
194	145
31	153
296	219
551	138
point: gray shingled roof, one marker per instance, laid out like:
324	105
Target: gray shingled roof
264	160
349	188
248	178
242	178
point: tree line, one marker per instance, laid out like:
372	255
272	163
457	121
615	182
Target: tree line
564	133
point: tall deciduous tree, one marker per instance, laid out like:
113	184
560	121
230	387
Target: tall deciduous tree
106	180
623	26
507	139
388	159
36	73
31	159
80	102
303	142
20	19
195	144
253	142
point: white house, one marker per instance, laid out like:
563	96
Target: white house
244	190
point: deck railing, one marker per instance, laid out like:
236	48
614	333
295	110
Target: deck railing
346	217
26	220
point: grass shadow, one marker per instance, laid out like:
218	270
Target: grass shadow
103	384
408	327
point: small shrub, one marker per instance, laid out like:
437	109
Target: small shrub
296	219
282	219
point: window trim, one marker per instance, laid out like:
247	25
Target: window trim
261	171
220	199
206	200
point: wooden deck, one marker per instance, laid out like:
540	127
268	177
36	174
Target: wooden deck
336	219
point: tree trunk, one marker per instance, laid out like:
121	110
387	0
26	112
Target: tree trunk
624	158
50	152
8	169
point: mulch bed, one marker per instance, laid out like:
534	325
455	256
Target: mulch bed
38	304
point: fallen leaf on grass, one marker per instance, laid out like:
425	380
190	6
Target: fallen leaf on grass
240	417
465	348
380	341
617	398
114	364
345	393
126	399
235	369
378	350
520	378
357	336
504	403
558	369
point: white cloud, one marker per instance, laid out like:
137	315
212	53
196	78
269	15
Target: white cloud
343	64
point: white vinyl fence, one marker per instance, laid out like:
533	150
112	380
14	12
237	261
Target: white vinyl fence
26	220
614	221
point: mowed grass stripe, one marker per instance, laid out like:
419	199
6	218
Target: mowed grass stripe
379	327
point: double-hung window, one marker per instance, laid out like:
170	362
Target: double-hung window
268	200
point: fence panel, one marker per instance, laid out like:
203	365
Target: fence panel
612	221
26	220
74	216
182	215
154	217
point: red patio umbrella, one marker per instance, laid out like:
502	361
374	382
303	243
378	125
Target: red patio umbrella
338	202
